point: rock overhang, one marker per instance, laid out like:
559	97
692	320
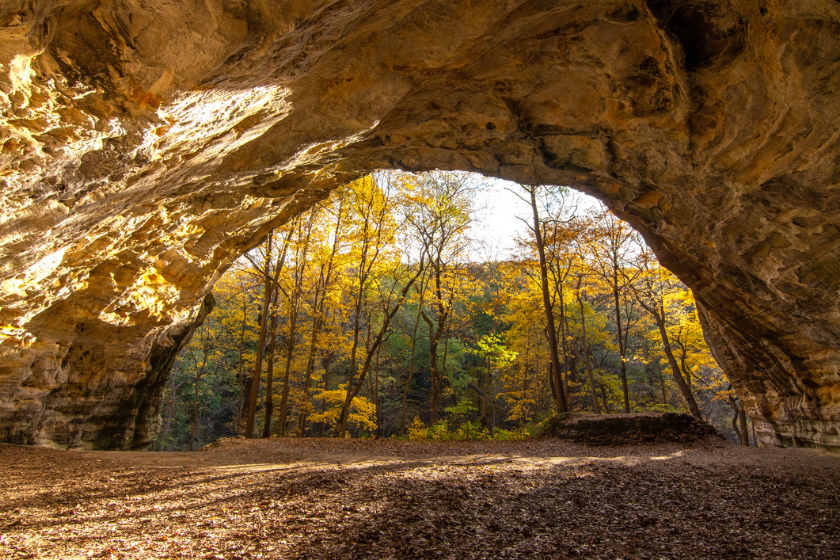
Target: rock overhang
147	145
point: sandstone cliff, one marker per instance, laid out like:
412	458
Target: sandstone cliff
146	144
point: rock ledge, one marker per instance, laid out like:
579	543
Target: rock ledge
627	429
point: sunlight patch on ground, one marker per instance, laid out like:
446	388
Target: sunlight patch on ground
674	455
255	468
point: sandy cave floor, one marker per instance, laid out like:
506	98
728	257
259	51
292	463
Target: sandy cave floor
320	498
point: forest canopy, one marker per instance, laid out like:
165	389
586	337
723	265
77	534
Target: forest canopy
381	312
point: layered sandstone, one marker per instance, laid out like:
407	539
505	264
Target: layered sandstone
147	144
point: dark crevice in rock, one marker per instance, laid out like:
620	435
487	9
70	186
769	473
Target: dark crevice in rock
708	32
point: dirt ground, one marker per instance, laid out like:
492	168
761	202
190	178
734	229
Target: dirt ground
367	499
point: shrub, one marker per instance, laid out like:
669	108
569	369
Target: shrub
417	430
439	431
470	430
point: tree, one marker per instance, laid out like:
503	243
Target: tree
652	286
361	411
272	346
241	348
551	333
420	292
587	357
199	367
441	204
496	356
294	296
174	385
372	203
611	254
389	307
263	266
327	272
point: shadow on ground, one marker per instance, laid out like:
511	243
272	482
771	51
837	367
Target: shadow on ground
335	499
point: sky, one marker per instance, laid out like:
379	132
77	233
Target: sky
498	223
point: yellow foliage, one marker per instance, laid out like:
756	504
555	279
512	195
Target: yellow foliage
362	411
417	430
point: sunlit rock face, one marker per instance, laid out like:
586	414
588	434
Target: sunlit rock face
147	144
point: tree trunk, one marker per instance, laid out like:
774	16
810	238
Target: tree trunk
368	332
310	366
241	375
378	432
587	359
573	357
269	284
269	383
482	397
353	390
353	356
433	370
246	399
195	413
170	410
564	343
661	382
443	373
356	328
435	333
684	388
606	402
549	313
341	428
284	399
683	366
551	382
621	349
318	322
485	392
257	375
294	309
411	363
326	364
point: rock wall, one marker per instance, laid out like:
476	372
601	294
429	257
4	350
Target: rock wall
146	144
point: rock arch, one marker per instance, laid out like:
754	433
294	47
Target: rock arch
147	144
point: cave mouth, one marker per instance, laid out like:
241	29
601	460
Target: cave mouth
477	241
146	148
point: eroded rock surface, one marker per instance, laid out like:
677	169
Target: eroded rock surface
147	144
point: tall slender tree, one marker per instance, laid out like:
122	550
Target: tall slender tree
650	289
294	293
551	332
326	277
612	255
269	273
441	218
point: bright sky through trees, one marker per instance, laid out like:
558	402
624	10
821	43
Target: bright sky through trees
497	222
